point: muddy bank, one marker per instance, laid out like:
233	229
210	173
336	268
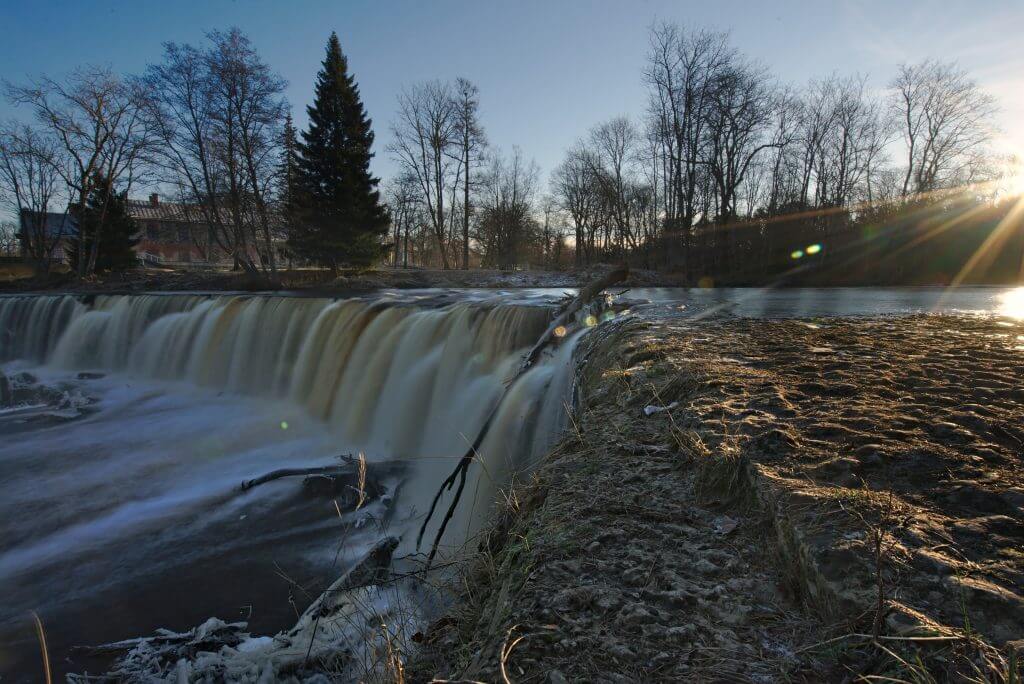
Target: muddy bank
761	501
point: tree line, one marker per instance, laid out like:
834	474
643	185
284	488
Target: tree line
729	176
730	173
209	122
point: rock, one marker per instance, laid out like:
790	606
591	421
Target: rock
574	597
87	375
705	567
635	576
870	456
618	650
651	410
6	394
633	614
556	677
681	633
724	524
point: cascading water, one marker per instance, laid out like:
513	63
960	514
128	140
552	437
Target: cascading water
201	392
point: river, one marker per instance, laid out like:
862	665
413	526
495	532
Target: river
120	510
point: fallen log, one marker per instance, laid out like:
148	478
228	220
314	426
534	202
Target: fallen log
349	466
458	475
584	297
295	472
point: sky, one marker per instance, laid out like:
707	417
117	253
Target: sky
547	71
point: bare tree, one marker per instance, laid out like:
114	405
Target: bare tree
30	184
471	143
424	139
683	72
507	230
741	116
9	246
95	115
945	119
403	199
218	114
615	152
573	184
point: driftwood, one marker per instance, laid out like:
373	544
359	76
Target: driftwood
458	475
349	467
295	472
565	316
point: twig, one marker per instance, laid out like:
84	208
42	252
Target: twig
42	647
459	473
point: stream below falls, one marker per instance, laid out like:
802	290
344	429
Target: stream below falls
134	419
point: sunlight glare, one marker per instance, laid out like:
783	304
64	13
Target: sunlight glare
1011	303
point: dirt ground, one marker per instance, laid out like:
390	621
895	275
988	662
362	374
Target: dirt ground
827	500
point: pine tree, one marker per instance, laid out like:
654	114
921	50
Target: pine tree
340	219
106	215
289	192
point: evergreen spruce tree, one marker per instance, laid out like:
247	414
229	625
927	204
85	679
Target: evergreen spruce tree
106	214
289	192
339	216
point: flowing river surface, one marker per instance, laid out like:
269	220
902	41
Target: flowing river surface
139	416
120	509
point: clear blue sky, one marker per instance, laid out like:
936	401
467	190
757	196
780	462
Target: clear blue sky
547	71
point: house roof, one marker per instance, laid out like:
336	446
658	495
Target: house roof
164	211
57	224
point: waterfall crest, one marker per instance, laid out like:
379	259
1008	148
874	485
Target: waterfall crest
390	379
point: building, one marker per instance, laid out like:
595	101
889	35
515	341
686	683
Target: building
172	233
60	228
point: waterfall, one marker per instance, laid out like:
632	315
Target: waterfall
390	379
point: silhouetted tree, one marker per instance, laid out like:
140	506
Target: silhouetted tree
945	119
216	113
106	229
30	186
342	219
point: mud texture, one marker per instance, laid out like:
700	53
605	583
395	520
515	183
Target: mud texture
821	500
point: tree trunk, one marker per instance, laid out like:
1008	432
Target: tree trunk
465	213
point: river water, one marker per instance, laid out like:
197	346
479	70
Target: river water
119	504
139	416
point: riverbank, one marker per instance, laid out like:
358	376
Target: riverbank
743	500
320	282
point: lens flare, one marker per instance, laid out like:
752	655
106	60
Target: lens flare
590	321
796	254
560	331
813	249
284	424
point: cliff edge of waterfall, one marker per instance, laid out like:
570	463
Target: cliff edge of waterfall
320	282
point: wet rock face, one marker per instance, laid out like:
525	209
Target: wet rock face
6	393
35	402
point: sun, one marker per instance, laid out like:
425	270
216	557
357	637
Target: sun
1011	303
1013	184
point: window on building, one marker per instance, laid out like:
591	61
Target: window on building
183	235
153	231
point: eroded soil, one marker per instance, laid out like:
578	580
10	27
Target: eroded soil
765	501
